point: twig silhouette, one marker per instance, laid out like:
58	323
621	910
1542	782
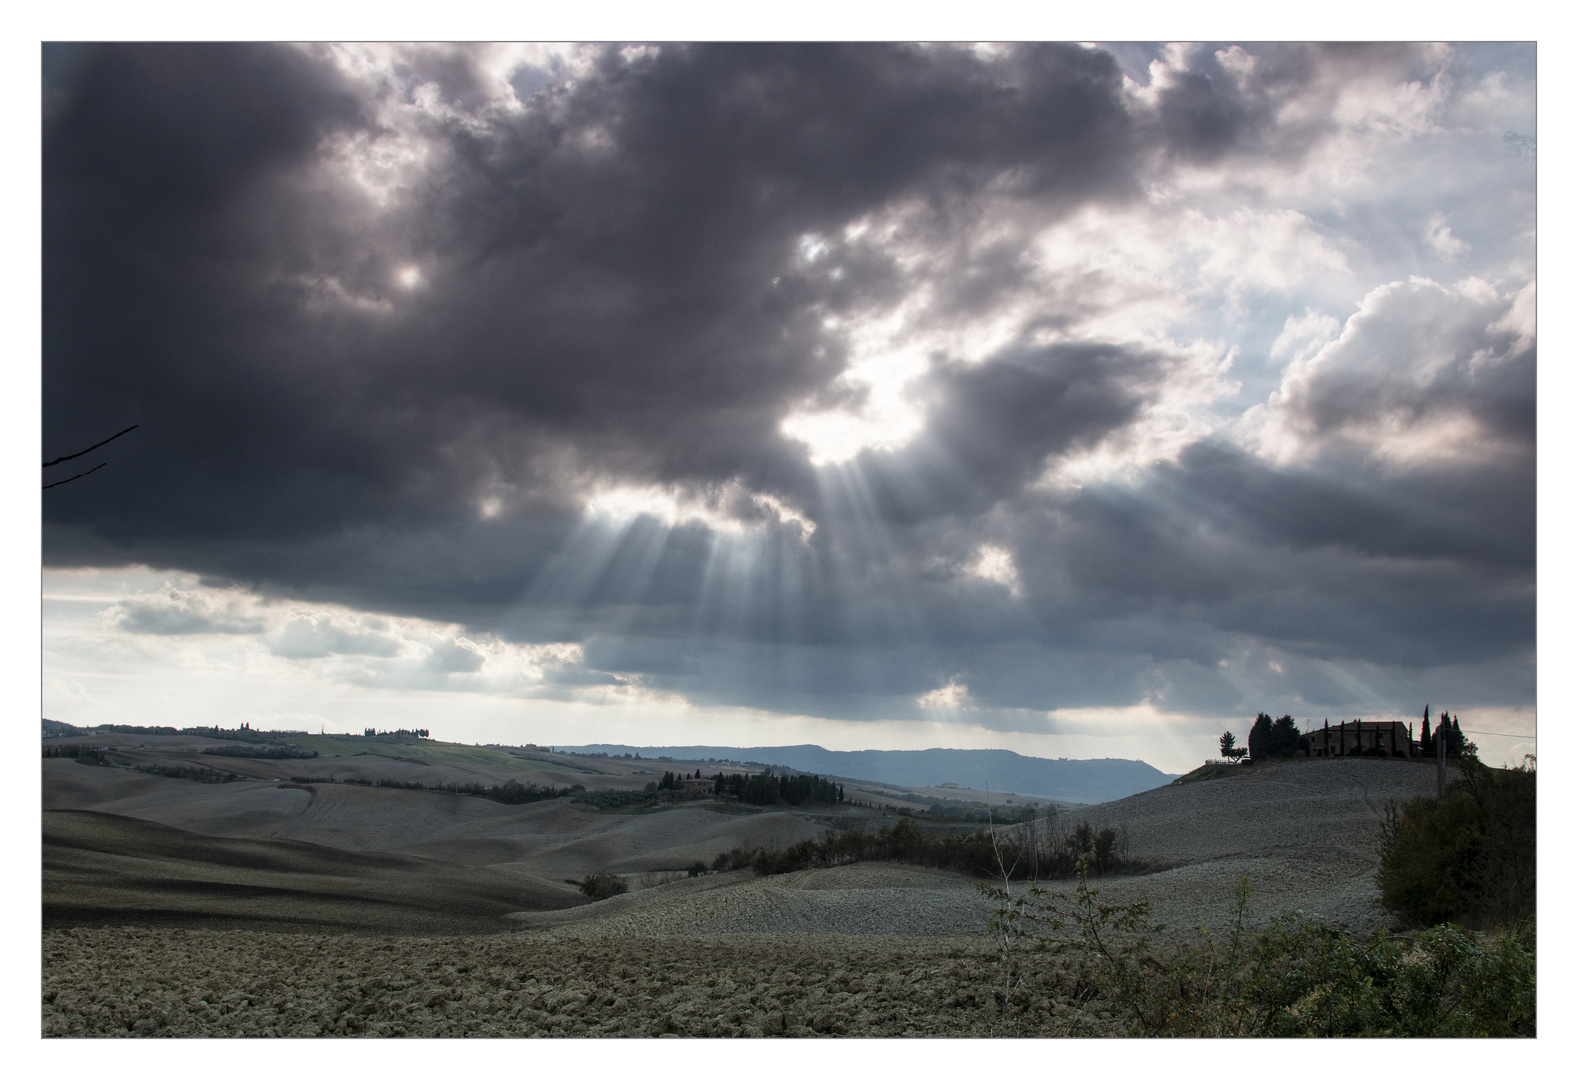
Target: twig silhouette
79	476
89	450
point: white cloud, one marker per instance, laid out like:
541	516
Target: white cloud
1304	335
175	610
311	634
1519	319
202	631
996	564
1439	238
954	696
1403	380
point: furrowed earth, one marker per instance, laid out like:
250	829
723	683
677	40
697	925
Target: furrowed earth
266	907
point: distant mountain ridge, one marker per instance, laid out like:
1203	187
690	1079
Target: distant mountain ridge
1091	780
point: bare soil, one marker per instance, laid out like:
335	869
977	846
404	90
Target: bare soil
173	983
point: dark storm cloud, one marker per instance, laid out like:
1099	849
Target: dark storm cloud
600	280
1356	564
992	426
612	285
1231	101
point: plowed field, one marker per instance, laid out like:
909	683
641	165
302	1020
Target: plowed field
112	982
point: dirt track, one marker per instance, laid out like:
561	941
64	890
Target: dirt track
237	983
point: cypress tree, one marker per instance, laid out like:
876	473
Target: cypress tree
1284	737
1260	738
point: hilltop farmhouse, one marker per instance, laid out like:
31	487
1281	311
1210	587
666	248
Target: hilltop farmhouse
1391	738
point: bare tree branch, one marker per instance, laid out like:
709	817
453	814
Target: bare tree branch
90	449
79	476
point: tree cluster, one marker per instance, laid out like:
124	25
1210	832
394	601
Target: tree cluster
189	772
672	781
266	751
243	734
765	789
1033	850
1279	738
512	792
93	754
1447	727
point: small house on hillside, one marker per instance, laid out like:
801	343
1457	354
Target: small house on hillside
698	784
1370	737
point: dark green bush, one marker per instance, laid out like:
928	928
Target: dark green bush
1297	978
1466	858
602	886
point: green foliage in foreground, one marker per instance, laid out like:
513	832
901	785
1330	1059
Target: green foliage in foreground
1467	858
1296	978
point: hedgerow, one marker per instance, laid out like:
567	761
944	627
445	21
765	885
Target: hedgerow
1036	849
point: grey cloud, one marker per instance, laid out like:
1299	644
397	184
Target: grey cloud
452	656
617	305
310	638
179	615
1215	110
613	294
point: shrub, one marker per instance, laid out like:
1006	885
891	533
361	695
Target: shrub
1468	857
1298	977
602	886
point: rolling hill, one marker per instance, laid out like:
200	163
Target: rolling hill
1078	781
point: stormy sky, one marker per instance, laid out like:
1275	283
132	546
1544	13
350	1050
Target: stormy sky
1078	399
